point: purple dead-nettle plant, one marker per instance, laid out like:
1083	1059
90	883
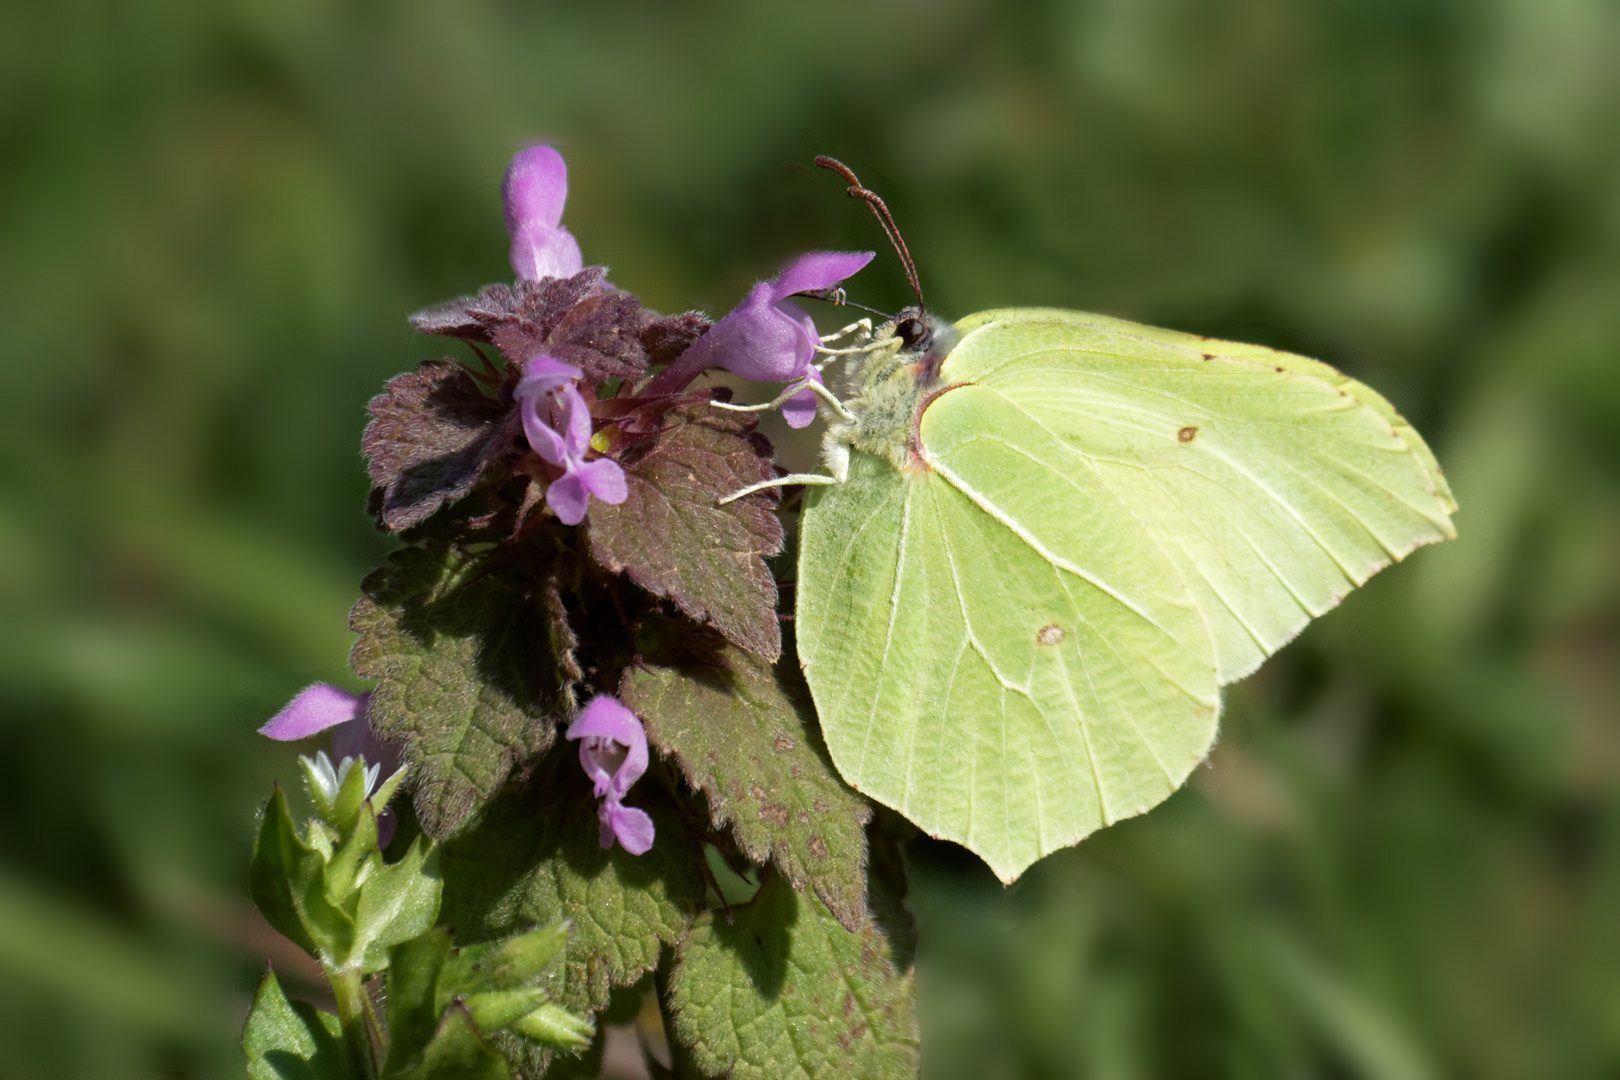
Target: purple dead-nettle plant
613	752
768	337
557	422
579	525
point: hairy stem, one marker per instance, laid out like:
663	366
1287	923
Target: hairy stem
350	991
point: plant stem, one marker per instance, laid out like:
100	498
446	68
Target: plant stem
350	992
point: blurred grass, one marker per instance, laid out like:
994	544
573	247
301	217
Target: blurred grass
1404	859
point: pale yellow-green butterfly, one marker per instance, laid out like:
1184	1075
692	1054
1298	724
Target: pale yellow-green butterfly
1048	538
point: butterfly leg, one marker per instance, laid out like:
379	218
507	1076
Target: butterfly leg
793	390
861	327
836	452
815	479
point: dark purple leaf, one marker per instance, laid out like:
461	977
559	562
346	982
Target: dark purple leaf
579	320
433	436
673	539
667	338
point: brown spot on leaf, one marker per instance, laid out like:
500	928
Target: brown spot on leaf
775	813
820	805
783	744
849	1004
1050	634
817	846
1187	434
1209	356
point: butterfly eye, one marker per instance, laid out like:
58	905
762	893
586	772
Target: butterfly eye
913	333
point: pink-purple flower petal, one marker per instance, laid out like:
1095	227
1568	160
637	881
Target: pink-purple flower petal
767	338
532	195
539	252
800	409
316	708
613	753
568	498
818	270
557	422
632	827
605	480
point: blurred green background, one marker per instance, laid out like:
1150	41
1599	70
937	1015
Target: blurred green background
1403	861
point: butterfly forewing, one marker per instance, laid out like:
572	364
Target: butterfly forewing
1273	482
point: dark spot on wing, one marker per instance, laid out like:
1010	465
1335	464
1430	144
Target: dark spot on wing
1187	434
1050	634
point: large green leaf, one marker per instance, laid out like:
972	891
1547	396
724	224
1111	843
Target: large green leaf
778	990
535	859
748	746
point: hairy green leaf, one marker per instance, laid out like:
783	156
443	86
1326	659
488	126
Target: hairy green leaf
397	902
287	880
752	749
432	437
287	1040
413	1012
673	539
458	1052
534	859
471	670
783	992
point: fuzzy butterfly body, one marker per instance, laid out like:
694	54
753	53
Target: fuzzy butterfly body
1058	535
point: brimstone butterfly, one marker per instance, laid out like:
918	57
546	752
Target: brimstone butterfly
1054	536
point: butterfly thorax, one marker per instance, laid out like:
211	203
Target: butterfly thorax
887	386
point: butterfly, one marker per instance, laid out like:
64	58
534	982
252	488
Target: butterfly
1049	538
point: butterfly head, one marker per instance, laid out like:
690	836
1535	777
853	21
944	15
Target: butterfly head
925	341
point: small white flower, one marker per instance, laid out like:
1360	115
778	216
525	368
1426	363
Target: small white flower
330	780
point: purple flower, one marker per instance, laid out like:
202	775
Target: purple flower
321	706
558	424
768	337
613	752
535	188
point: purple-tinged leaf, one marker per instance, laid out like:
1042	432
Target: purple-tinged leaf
751	748
474	670
667	338
433	436
671	537
578	320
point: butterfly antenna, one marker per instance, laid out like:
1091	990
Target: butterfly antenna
880	210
